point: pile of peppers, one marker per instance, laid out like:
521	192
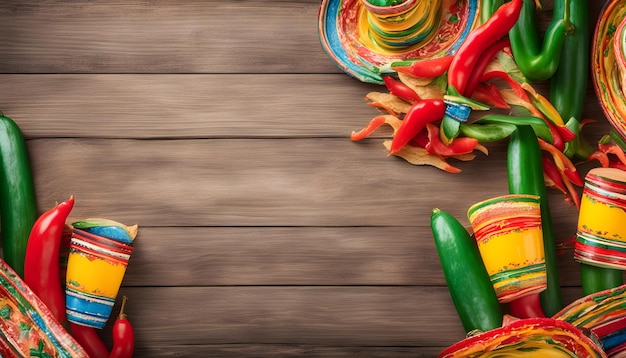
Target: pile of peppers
451	106
32	244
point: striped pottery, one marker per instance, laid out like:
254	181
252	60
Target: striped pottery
509	236
399	26
95	268
608	63
601	230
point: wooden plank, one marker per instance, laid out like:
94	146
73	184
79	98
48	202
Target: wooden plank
250	182
200	106
161	37
184	106
165	37
331	256
325	316
322	316
284	350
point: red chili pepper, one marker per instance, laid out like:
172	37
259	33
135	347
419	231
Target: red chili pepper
123	336
515	86
460	145
371	126
401	90
89	339
564	164
420	140
490	94
528	306
550	170
428	68
613	149
557	140
566	134
601	157
479	40
617	164
482	64
41	264
393	121
422	112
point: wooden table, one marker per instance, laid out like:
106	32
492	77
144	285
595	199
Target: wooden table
221	128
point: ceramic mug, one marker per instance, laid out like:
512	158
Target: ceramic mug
95	268
601	229
509	235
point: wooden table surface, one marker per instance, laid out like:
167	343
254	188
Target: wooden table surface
222	129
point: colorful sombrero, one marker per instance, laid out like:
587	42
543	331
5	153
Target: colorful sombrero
609	64
364	39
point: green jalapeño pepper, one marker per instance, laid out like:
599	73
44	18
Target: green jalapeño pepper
568	86
468	282
539	61
525	176
18	207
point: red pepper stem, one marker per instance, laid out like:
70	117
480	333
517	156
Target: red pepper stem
122	315
528	306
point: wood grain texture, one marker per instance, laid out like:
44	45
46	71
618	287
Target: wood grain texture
162	37
222	129
330	256
362	316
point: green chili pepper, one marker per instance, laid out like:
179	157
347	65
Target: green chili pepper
495	127
568	85
538	61
18	207
466	276
595	279
541	129
488	132
487	8
525	176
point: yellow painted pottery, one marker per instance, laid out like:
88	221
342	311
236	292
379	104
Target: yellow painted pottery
510	240
95	269
601	232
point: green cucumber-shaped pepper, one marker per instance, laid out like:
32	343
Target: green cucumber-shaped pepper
568	85
538	60
525	176
466	276
595	279
18	207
